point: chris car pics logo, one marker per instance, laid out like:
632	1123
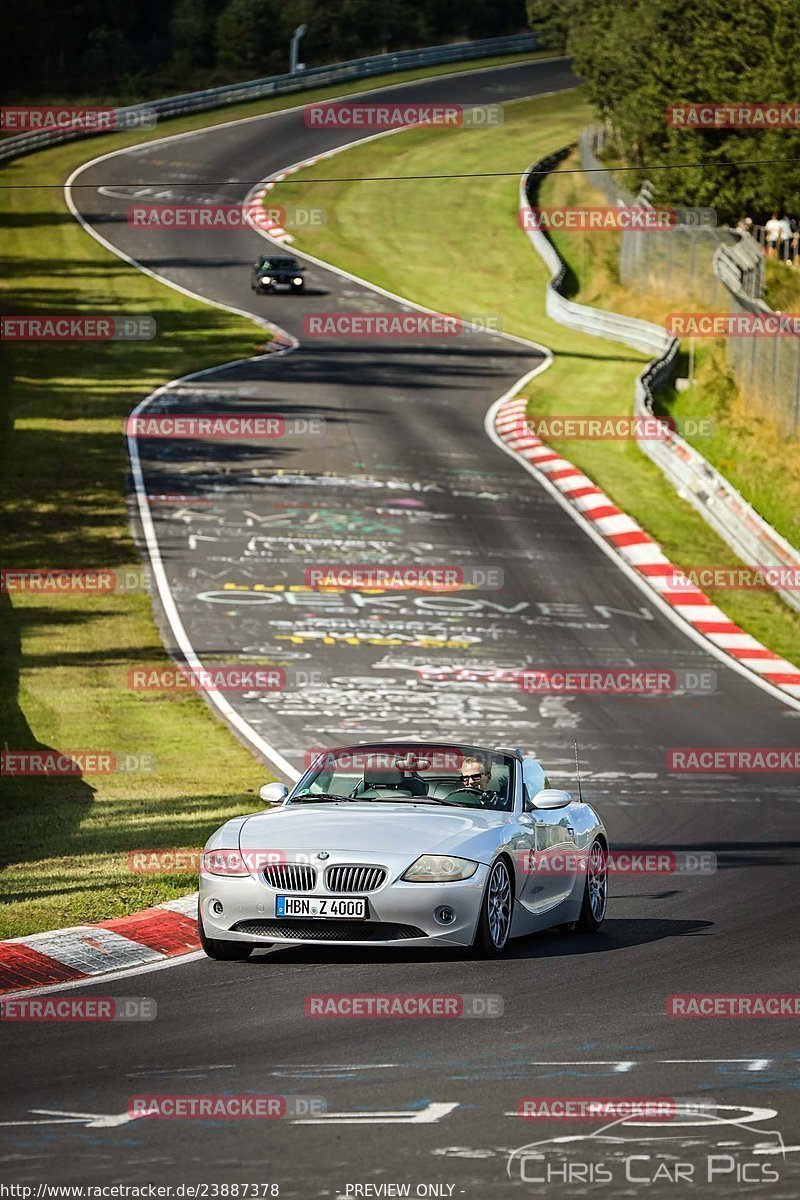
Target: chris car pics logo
723	1144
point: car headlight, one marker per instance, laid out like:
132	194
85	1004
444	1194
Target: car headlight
439	868
298	279
265	279
223	862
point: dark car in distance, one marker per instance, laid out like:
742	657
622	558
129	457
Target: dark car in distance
271	272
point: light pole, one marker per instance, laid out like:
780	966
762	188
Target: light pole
294	47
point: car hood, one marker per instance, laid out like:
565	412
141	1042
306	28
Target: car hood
368	828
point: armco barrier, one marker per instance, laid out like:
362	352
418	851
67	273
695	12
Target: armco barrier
273	85
718	502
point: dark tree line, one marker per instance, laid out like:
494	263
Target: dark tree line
639	56
126	50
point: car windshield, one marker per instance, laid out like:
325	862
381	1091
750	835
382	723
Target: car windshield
455	775
279	264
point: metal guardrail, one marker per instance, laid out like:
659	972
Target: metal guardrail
134	115
594	139
741	267
717	501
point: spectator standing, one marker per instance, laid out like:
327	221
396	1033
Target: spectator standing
772	232
785	244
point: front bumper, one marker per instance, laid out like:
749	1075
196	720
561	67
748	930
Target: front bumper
406	910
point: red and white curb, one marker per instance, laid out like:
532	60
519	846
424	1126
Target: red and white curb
641	552
256	212
66	955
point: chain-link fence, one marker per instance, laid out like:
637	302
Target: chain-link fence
720	269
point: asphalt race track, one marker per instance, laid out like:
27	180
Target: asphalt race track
404	472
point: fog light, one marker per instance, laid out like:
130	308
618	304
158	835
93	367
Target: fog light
216	908
444	915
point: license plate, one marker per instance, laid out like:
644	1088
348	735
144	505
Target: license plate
354	908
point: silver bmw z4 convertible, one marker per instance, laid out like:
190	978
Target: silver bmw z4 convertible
405	845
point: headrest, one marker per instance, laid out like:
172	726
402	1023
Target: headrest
392	777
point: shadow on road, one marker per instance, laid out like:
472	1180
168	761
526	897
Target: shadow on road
616	935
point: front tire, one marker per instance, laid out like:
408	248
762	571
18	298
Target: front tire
494	923
221	950
595	892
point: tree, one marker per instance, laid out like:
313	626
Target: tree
191	31
638	60
246	40
551	20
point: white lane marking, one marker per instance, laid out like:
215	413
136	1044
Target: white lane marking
741	1113
89	1120
331	1069
755	1064
429	1115
695	1118
751	1064
59	1121
466	1152
198	1070
582	1062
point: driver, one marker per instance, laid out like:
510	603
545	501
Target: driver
476	776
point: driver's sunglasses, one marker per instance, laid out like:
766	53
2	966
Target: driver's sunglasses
478	775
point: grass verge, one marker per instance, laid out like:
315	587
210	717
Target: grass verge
64	659
391	234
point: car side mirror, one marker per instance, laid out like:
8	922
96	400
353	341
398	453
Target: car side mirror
551	798
527	805
273	793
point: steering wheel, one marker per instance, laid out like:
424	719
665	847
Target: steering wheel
470	791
